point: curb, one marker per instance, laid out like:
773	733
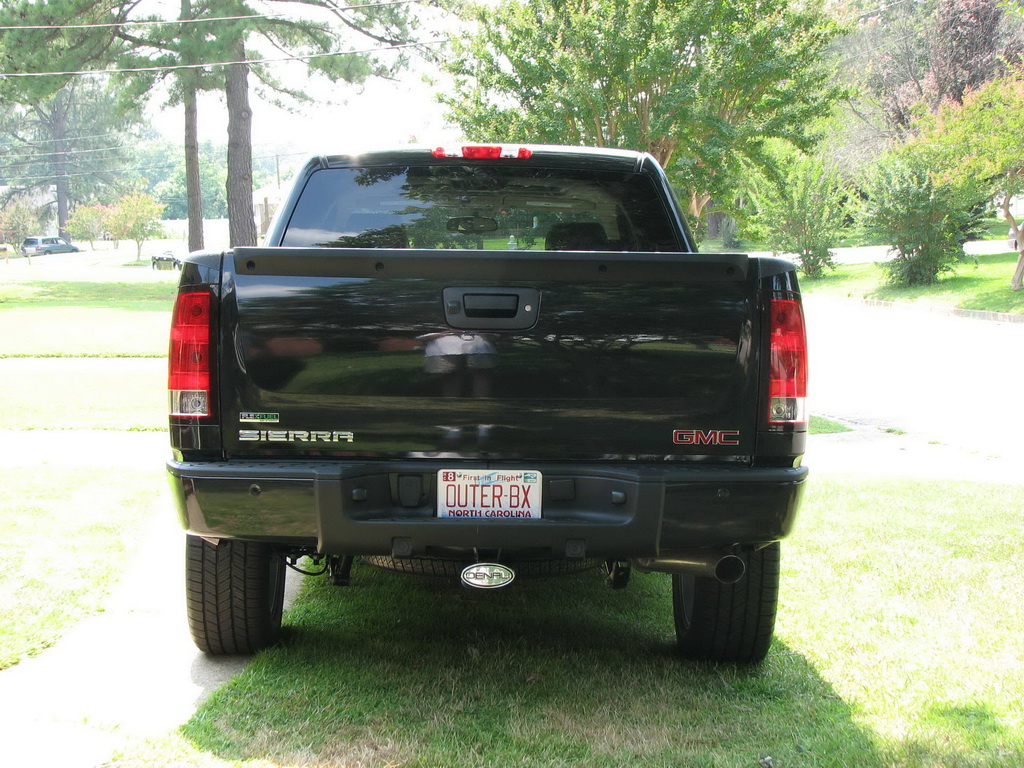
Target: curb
970	314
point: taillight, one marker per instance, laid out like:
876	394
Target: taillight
787	378
189	370
485	153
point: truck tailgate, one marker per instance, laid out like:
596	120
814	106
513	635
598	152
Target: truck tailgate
497	355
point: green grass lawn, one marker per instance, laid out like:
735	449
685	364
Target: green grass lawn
65	533
985	286
898	644
996	228
69	319
65	530
139	297
119	394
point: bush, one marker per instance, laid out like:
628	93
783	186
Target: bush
18	220
728	230
926	221
801	211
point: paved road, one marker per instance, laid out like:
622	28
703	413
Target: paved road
871	254
944	378
105	264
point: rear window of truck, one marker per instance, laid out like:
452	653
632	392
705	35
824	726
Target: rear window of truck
481	208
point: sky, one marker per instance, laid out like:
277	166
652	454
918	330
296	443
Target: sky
342	118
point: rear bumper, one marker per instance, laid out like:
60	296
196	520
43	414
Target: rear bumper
620	511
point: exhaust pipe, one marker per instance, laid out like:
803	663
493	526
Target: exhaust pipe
726	568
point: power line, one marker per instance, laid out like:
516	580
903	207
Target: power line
153	23
161	166
71	138
38	156
176	67
158	22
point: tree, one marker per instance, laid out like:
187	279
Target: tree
73	142
701	85
221	42
172	190
981	139
911	57
18	219
135	217
89	222
801	211
38	40
228	44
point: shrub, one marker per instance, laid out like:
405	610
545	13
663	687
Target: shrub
801	211
926	221
728	230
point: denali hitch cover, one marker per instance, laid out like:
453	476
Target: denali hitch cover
487	576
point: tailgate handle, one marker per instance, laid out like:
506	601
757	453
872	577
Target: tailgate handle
484	309
490	304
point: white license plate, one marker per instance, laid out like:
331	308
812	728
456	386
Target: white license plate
489	494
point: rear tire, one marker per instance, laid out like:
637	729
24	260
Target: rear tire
234	595
729	622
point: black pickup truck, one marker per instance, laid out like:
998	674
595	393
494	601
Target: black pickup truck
487	362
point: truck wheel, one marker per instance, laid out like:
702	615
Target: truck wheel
234	595
729	622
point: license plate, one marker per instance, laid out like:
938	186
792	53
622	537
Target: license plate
489	494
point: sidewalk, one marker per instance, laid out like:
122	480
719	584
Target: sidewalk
871	254
129	672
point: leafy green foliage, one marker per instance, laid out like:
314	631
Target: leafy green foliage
135	217
19	219
212	177
981	139
89	222
74	142
701	85
41	42
801	211
927	221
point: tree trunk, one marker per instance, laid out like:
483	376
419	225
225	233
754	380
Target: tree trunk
698	200
60	163
1017	281
241	225
193	187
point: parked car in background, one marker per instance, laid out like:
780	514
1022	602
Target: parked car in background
39	246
